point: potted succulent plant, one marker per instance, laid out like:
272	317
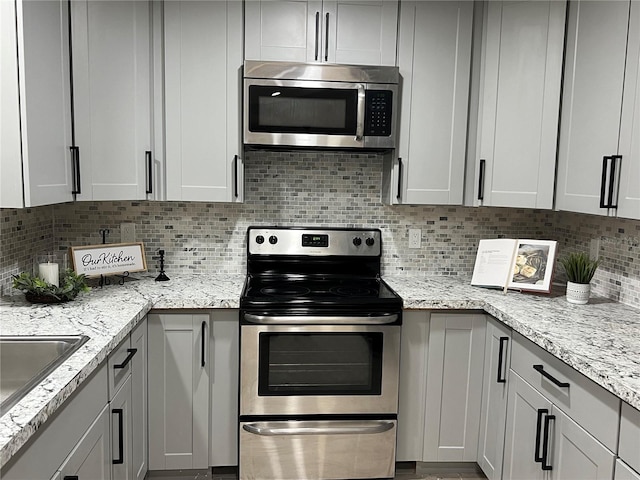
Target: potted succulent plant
37	290
580	270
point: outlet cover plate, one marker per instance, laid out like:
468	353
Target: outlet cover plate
415	237
127	232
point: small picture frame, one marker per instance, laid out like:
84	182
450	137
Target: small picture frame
533	265
108	259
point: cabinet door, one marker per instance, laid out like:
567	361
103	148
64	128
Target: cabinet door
35	95
90	458
283	30
454	386
413	386
203	60
577	454
121	433
224	388
525	405
139	429
493	414
434	58
357	32
179	391
112	97
624	472
591	103
519	103
629	197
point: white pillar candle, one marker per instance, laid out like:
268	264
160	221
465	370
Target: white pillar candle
49	273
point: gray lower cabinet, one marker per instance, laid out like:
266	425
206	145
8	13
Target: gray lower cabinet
493	415
625	472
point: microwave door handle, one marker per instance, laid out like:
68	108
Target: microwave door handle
360	117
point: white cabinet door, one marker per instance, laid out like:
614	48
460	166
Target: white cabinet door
224	388
414	353
519	103
179	388
625	472
629	197
434	57
203	60
139	429
525	406
454	387
112	98
339	31
35	99
493	414
90	458
591	104
577	454
121	433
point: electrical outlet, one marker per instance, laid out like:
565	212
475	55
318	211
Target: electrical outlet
594	248
415	237
127	232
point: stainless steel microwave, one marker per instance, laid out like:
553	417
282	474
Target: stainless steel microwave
319	105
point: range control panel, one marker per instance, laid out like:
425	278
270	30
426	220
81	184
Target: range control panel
317	242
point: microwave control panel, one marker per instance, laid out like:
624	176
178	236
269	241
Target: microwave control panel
378	110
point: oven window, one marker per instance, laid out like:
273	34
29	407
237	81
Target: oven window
323	111
320	363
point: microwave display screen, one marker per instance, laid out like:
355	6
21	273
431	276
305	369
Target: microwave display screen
276	109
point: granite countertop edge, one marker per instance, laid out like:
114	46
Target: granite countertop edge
115	310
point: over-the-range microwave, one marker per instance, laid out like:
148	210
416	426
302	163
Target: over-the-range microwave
320	105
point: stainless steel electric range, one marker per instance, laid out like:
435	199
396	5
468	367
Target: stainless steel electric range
319	356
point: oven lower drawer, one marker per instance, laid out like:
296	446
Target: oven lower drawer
299	450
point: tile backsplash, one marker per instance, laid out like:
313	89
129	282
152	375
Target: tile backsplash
318	189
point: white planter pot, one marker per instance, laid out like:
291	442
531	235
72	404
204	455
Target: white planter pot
578	293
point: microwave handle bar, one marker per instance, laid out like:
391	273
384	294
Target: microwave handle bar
316	428
320	320
317	34
360	119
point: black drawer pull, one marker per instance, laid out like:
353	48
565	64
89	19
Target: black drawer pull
131	353
545	443
540	368
536	455
120	413
503	342
71	477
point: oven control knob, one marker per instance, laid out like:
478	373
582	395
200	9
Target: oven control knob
259	239
273	239
357	241
370	241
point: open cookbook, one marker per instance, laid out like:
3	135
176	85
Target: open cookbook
515	263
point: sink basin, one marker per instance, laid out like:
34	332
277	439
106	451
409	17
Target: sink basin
26	360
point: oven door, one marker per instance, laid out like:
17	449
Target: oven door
319	369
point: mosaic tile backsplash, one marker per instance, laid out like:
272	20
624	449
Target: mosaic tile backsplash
318	189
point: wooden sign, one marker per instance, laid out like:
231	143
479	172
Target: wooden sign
109	259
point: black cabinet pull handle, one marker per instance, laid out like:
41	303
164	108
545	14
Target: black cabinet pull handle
203	361
235	176
540	368
399	194
607	190
149	159
120	413
326	40
130	353
536	456
71	477
503	342
545	443
483	164
75	165
317	34
603	181
615	159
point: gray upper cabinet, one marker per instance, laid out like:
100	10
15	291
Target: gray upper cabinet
434	57
520	84
599	134
35	122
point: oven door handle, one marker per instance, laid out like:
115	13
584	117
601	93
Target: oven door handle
320	320
317	428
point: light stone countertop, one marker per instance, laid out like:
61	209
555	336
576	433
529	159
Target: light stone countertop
600	340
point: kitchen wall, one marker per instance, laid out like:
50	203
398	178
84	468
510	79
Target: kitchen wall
318	188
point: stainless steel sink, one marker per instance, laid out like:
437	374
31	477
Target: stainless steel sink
26	360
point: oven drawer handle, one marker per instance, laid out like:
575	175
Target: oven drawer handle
320	320
316	428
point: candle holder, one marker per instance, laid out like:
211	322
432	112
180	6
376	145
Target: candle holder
162	277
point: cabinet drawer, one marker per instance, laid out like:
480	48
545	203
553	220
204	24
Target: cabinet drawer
630	436
584	401
119	362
